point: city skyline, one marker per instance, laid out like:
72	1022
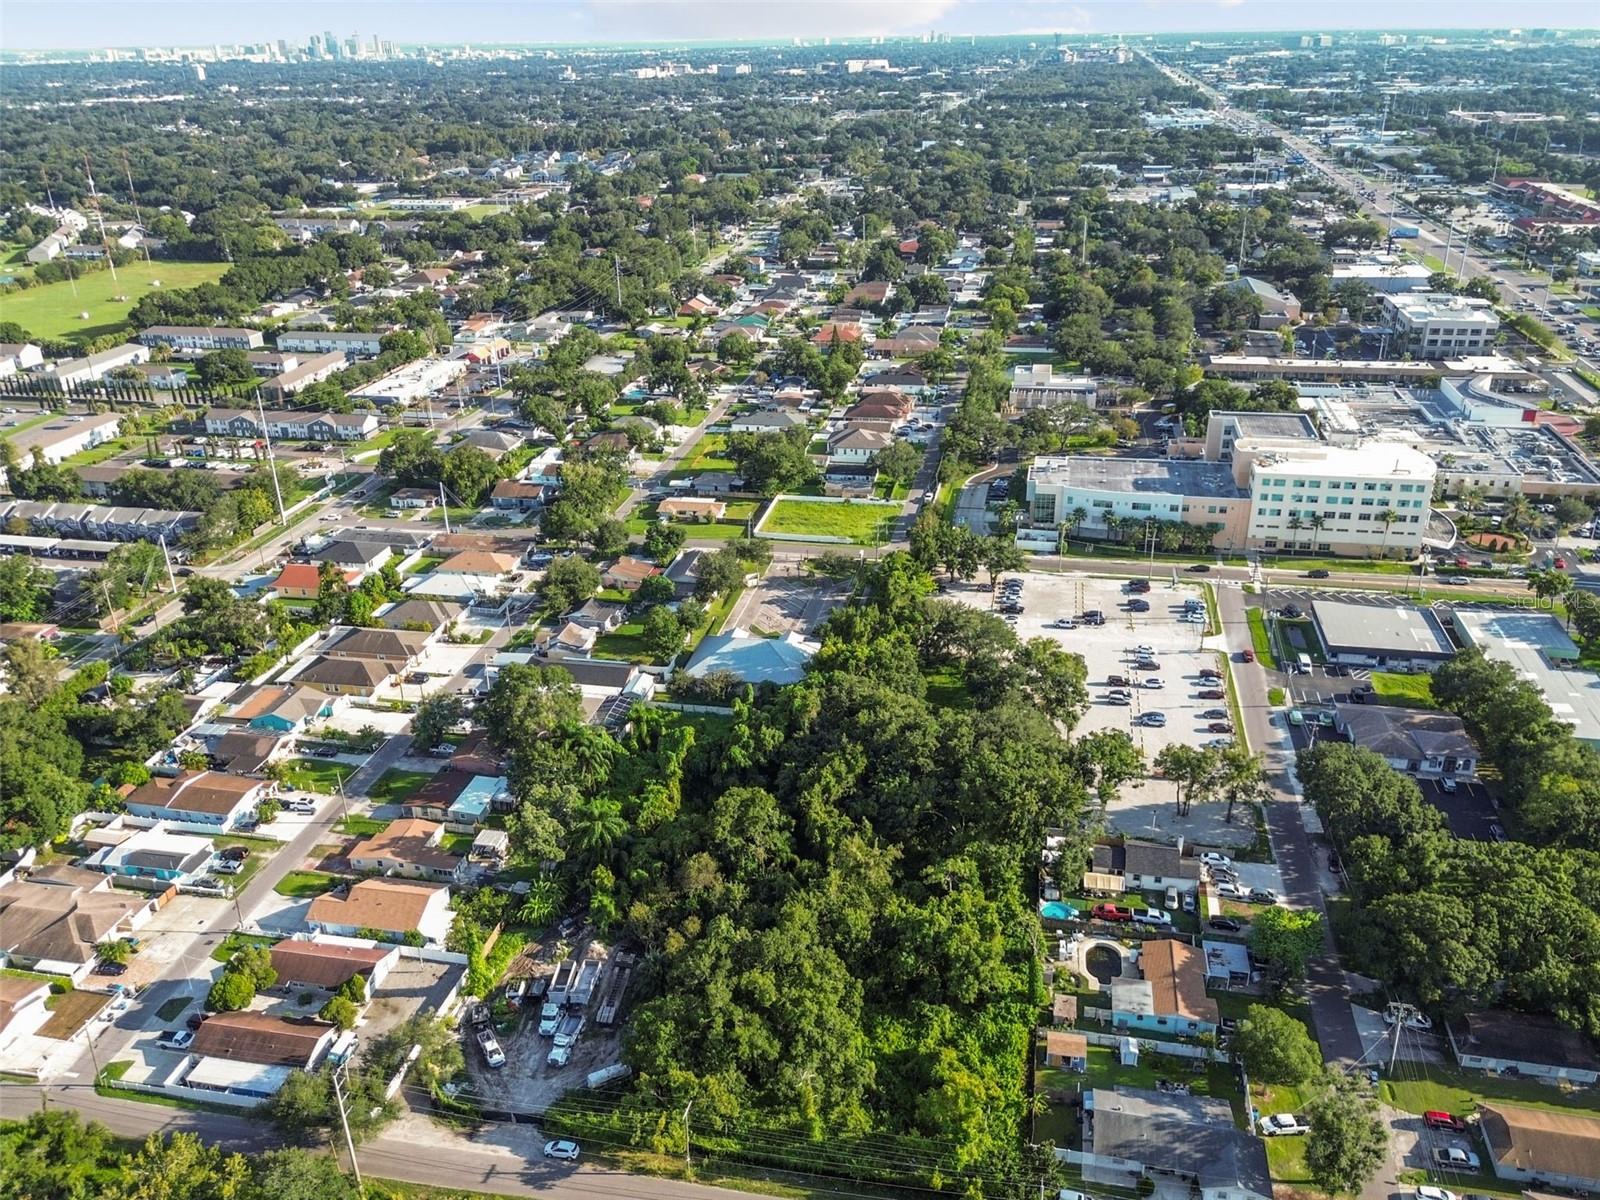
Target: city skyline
32	25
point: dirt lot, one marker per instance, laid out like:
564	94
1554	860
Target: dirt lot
1145	808
70	1012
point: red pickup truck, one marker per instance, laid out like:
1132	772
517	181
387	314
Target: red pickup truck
1111	912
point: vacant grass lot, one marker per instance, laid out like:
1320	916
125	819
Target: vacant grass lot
707	455
305	884
52	310
70	1012
395	785
317	774
732	524
1408	691
857	522
1431	1088
361	826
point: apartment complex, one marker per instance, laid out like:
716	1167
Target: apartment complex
1440	325
203	338
352	344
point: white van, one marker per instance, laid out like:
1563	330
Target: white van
1303	664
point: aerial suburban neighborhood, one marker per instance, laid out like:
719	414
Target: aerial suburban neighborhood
822	608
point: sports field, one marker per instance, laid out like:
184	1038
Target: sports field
53	310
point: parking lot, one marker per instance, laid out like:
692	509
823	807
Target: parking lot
779	605
1170	693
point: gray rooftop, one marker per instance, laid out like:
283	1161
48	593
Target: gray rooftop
1164	476
1408	733
1540	651
1192	1136
1280	426
1401	631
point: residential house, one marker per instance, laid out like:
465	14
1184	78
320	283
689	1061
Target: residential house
1278	307
153	854
753	659
690	509
244	751
427	615
518	495
1037	385
208	798
22	1008
394	908
19	356
329	965
495	443
570	639
909	379
1526	1044
611	442
911	342
765	421
345	677
476	755
55	923
1541	1147
480	563
394	648
856	481
352	344
1171	996
1146	866
259	1037
1132	1134
598	615
61	437
1066	1051
366	556
843	333
413	499
627	573
411	849
91	368
684	571
857	445
716	483
303	581
278	708
1418	741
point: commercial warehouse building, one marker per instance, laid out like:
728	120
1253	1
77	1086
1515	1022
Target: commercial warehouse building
1541	653
1401	638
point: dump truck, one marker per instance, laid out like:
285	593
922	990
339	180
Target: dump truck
582	989
566	972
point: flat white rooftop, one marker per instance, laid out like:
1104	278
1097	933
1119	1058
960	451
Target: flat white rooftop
1539	650
1370	459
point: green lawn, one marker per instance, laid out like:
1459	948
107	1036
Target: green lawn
361	826
305	884
1407	691
317	774
52	310
625	642
1429	1088
394	785
235	942
99	454
947	687
1286	1156
173	1009
731	526
1217	1080
706	455
856	521
1260	639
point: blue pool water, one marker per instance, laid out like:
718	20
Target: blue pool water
1054	910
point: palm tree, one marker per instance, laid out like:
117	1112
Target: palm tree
1388	516
1079	515
1518	512
1295	525
1317	521
543	901
598	826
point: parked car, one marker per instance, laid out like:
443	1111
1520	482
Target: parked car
1120	699
564	1150
228	866
1138	606
1117	680
1153	681
1063	623
1215	858
194	1021
1455	1158
1210	673
1219	743
1153	719
1111	912
235	853
1293	611
1219	727
1263	896
1147	664
110	968
1434	1119
492	1054
1188	902
1212	694
1228	889
1446	784
1152	916
1283	1125
1428	1192
1457	580
175	1039
1247	656
1224	925
1214	714
1415	1021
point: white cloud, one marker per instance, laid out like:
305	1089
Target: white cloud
704	19
1229	3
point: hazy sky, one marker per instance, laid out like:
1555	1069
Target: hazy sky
75	24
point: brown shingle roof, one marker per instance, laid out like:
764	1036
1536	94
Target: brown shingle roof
195	791
60	923
391	905
1065	1045
477	562
406	840
14	993
345	672
1177	978
259	1038
324	964
387	645
1537	1139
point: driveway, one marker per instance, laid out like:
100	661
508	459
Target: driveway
1296	856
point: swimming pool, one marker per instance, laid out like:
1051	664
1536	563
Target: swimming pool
1054	910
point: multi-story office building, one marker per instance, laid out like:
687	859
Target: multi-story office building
1439	325
1358	500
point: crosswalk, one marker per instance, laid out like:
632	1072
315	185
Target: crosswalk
1379	599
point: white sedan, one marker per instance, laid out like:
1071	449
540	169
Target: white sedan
567	1151
1212	858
